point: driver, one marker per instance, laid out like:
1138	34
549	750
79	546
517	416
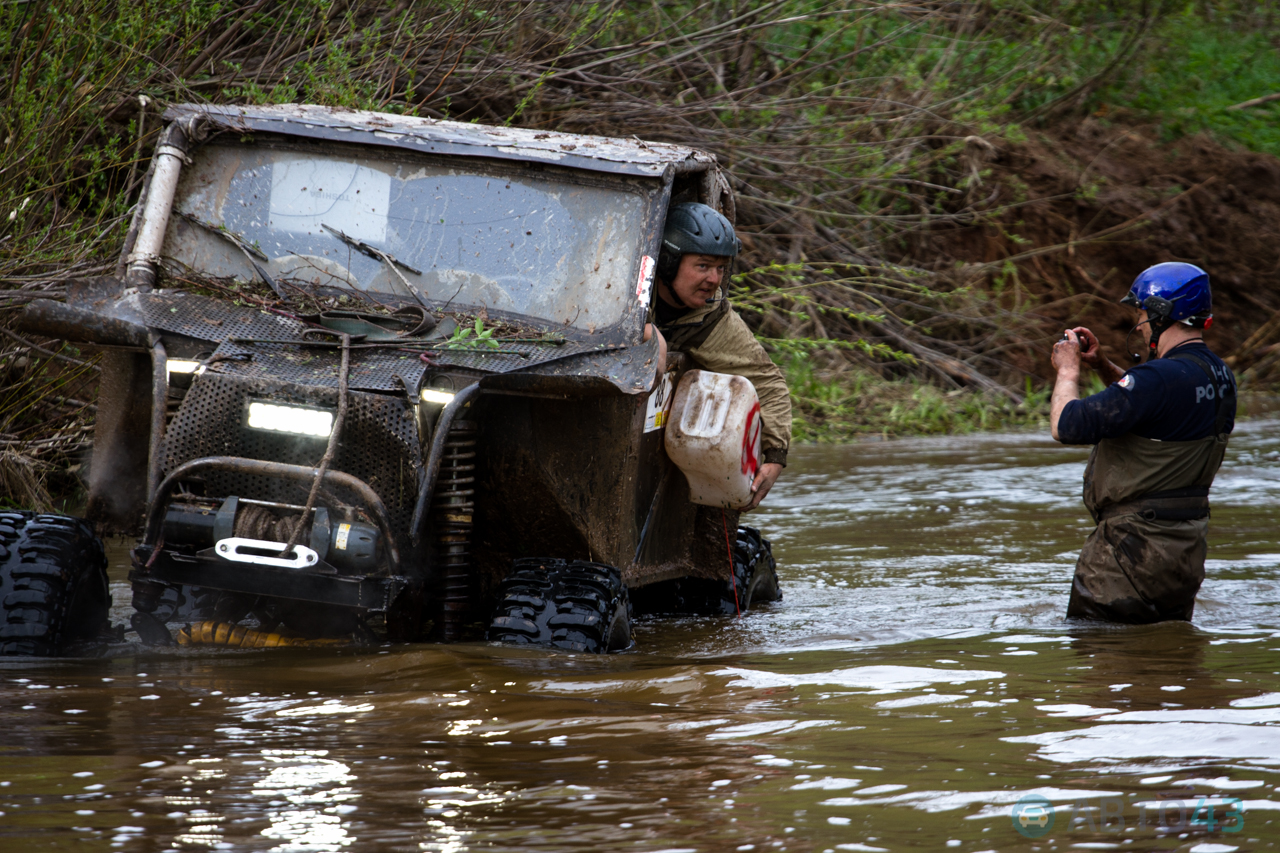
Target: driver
694	317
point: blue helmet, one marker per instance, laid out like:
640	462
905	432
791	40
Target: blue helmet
1171	292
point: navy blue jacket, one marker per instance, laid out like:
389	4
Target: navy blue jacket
1168	399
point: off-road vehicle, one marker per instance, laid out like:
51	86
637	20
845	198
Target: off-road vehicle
385	377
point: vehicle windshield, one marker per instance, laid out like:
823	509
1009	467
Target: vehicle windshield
540	242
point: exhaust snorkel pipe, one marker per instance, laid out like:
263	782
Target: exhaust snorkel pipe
170	155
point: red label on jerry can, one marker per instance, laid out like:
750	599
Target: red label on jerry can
751	442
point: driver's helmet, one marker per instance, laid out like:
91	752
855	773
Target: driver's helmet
694	229
1173	292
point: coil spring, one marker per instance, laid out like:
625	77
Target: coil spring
453	508
213	633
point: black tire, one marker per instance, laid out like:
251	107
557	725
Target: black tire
579	606
53	584
755	581
755	572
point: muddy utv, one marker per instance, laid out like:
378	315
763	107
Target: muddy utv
385	377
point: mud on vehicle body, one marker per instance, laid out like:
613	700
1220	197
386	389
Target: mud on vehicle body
410	454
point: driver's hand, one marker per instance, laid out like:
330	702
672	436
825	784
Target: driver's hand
649	331
765	478
1090	349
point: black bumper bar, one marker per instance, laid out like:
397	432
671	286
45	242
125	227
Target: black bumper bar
356	591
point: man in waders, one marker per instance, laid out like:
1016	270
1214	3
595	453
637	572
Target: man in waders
694	317
1159	432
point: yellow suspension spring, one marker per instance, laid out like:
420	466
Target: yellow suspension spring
239	637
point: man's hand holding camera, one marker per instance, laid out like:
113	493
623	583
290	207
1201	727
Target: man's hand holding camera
1080	346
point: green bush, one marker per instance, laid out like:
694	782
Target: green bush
1203	60
838	402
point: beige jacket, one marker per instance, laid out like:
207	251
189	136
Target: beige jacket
717	339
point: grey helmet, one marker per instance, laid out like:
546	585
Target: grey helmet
694	229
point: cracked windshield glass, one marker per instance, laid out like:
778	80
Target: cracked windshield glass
514	239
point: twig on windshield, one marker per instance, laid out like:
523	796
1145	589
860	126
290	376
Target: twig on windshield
445	307
371	251
374	252
249	250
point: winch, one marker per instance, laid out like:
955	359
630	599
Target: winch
252	531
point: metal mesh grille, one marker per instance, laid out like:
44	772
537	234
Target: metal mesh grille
371	370
208	319
378	369
379	441
389	370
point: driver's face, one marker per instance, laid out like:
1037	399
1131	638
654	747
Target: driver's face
698	278
1144	328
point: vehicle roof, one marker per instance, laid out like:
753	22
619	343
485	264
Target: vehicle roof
597	153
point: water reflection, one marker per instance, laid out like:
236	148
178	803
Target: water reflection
307	796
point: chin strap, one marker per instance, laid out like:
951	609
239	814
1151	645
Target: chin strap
1157	329
1159	314
671	291
1136	357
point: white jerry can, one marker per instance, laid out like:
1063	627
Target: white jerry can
713	435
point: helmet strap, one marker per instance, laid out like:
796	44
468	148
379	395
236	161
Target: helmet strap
1157	329
1136	357
671	291
1154	343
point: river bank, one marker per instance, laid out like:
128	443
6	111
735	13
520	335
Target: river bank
837	404
926	195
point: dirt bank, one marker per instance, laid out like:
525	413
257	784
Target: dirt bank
1095	201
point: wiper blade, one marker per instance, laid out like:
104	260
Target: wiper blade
372	251
230	236
250	251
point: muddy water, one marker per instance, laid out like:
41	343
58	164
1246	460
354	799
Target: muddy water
917	681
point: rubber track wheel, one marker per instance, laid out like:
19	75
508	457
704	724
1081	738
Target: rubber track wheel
53	583
579	606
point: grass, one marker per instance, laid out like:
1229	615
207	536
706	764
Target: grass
838	402
1202	60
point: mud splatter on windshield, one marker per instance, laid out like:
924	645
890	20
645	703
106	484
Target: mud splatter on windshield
553	245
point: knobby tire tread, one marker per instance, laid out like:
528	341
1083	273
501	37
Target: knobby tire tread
578	606
755	581
53	584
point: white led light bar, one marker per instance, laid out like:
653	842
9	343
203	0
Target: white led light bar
431	395
182	365
291	419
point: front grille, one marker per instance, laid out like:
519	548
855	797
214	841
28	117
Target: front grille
379	441
387	369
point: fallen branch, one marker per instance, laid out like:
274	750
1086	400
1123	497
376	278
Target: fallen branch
1255	102
48	353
